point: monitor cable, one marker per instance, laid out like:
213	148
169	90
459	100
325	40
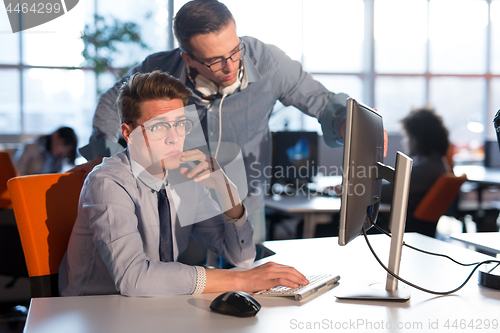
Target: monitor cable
414	285
379	228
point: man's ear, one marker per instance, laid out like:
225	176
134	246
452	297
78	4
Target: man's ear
187	59
126	131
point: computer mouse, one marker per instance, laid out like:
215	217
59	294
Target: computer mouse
235	303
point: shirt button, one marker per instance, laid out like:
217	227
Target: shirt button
242	241
211	133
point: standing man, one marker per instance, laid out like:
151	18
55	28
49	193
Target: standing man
236	83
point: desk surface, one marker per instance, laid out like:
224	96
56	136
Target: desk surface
487	241
479	174
356	266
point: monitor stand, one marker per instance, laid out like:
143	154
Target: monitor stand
375	292
400	177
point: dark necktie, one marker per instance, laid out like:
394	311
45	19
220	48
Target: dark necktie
166	252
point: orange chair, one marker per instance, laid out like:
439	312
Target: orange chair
439	197
8	171
449	157
45	207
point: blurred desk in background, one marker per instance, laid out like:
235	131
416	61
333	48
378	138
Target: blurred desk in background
481	178
315	209
486	242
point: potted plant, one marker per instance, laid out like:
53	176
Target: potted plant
102	42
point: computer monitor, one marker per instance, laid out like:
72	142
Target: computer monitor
362	176
295	158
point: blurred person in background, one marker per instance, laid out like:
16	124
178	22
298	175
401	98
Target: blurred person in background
47	153
425	140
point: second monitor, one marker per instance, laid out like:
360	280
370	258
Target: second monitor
295	158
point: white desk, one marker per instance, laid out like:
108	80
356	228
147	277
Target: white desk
486	241
353	262
479	174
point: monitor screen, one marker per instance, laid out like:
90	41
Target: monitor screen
295	158
361	184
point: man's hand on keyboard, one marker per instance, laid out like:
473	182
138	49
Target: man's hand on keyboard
270	275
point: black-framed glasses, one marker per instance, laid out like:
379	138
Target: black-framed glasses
161	129
221	64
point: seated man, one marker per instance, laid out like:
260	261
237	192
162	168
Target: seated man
127	235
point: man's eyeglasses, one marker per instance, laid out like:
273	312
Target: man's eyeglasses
160	130
221	64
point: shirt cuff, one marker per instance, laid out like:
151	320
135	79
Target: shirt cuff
331	119
201	280
237	222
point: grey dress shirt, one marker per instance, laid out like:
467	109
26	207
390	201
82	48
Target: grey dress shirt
114	245
272	76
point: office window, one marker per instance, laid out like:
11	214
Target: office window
333	36
277	22
417	44
495	36
105	80
457	36
56	43
55	97
460	101
400	36
273	22
425	51
9	52
152	16
351	84
53	92
494	107
10	113
395	97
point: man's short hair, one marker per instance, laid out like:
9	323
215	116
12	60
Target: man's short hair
199	17
142	87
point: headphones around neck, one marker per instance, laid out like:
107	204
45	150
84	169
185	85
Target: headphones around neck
209	89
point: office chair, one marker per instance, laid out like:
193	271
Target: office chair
11	259
8	171
45	207
449	157
439	198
